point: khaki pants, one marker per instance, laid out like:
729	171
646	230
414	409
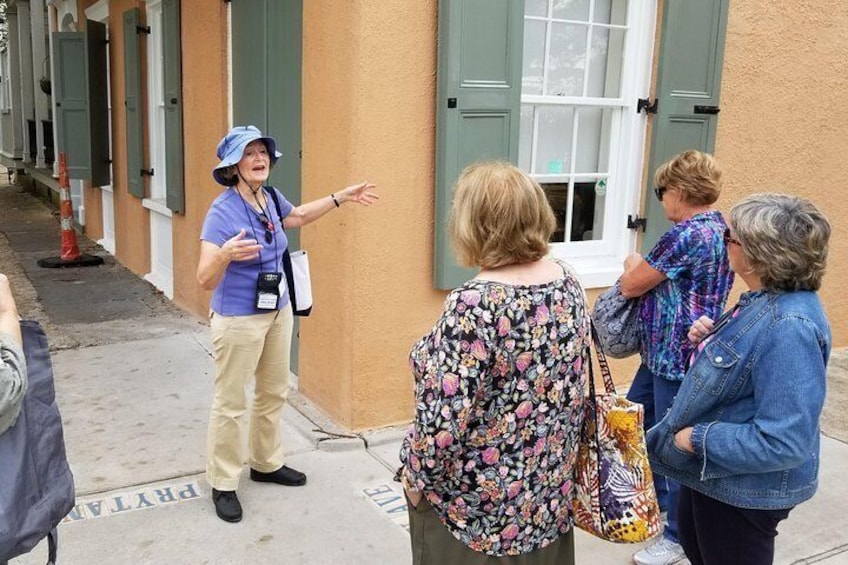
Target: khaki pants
433	544
247	347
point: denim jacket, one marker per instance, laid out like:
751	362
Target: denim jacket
753	395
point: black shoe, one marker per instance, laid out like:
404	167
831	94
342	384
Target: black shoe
282	476
227	505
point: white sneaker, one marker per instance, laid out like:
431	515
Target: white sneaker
663	552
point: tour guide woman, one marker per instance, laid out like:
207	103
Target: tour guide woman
251	318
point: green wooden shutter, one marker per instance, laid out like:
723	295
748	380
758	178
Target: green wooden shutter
132	103
82	126
689	75
250	63
478	103
172	67
267	54
285	34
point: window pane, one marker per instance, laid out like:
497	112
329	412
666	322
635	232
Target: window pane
593	140
553	154
525	137
602	12
587	213
557	193
587	210
534	57
610	12
605	62
571	10
588	140
567	60
536	8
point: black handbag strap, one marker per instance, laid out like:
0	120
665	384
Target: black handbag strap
287	264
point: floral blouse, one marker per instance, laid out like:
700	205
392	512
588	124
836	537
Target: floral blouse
499	398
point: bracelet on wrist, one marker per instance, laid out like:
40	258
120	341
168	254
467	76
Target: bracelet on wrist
336	202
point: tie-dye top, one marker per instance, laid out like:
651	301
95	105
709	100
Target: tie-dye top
498	407
693	256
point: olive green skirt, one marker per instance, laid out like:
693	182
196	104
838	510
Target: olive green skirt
433	544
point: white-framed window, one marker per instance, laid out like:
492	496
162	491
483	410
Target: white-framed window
156	104
586	62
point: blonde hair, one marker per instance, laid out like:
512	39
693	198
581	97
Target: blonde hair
500	216
696	174
784	238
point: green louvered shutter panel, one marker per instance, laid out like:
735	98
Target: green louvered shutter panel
478	103
689	77
174	181
267	54
132	102
81	102
251	53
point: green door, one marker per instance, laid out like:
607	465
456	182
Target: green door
688	84
477	103
267	38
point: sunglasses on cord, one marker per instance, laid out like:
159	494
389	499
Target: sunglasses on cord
269	228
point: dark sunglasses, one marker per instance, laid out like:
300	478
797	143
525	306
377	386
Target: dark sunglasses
728	239
659	191
269	228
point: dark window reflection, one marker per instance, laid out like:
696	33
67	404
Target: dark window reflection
583	218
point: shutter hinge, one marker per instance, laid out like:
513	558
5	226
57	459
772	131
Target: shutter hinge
636	223
143	29
647	105
146	172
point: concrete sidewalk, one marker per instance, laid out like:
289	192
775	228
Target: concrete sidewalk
134	383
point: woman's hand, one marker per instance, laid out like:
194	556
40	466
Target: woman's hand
683	440
7	303
412	494
360	193
214	260
9	319
632	261
700	328
239	249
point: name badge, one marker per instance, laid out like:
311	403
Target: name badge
268	290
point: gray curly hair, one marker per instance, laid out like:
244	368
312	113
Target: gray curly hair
784	238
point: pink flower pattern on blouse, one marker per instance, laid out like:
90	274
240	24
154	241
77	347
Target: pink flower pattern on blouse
499	396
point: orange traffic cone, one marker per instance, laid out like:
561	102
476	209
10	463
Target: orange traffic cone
70	249
70	255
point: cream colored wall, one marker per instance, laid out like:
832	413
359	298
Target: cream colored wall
368	113
205	103
783	116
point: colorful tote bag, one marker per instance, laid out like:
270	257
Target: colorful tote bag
614	495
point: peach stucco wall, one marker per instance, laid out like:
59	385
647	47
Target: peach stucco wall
368	113
783	116
369	81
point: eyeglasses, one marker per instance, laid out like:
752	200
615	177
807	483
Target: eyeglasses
659	191
728	239
269	228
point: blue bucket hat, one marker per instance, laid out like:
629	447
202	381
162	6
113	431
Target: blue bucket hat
231	149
